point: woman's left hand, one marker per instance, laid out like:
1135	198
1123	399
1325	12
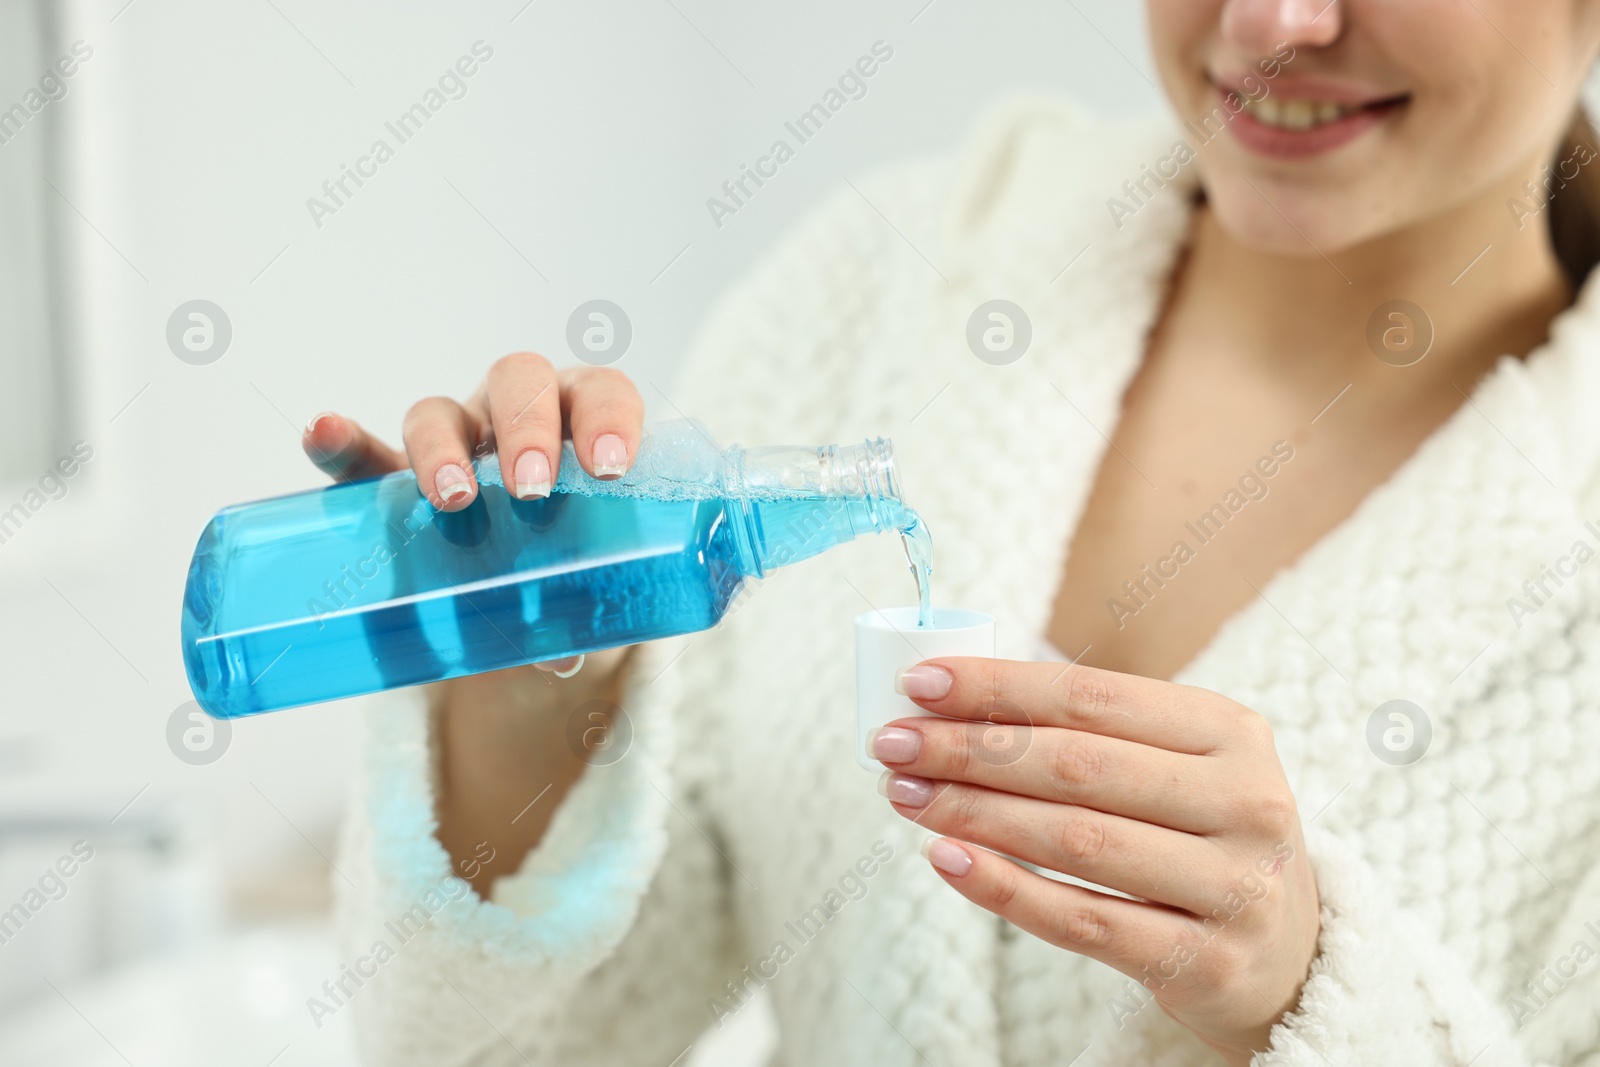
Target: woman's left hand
1169	794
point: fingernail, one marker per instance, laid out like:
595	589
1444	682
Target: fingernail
946	855
610	456
577	665
924	682
891	744
451	481
311	426
532	475
905	790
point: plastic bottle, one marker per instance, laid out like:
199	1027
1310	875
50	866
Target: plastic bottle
364	586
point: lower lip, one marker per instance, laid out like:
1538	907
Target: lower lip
1277	143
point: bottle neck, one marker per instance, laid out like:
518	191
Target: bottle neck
798	502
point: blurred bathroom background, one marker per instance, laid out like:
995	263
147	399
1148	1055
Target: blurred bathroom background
172	311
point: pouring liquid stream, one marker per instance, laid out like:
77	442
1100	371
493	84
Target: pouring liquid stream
919	553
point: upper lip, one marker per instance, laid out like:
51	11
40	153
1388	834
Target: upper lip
1304	87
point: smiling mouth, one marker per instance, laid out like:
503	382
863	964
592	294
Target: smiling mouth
1304	118
1299	115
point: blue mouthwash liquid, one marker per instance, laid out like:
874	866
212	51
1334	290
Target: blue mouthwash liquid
919	553
362	587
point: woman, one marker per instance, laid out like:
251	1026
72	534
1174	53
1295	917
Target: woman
1303	429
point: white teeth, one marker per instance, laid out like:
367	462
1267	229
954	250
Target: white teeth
1295	114
1299	114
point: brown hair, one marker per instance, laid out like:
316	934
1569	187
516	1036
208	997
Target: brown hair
1575	211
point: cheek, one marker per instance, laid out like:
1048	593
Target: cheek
1484	110
1474	139
1493	79
1182	35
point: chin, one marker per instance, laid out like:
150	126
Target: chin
1288	225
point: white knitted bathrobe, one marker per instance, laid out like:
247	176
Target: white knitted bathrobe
1446	885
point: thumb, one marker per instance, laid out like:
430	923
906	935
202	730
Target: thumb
342	449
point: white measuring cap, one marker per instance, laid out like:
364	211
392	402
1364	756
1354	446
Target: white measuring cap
889	641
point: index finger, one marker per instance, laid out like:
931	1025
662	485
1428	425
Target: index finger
1071	696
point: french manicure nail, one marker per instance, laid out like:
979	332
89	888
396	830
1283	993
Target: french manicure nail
610	455
891	744
451	481
905	790
924	682
311	426
946	855
532	475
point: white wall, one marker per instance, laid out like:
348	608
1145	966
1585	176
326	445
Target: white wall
590	141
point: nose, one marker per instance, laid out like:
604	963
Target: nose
1259	26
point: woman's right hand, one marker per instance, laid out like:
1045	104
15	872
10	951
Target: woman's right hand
523	410
505	755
